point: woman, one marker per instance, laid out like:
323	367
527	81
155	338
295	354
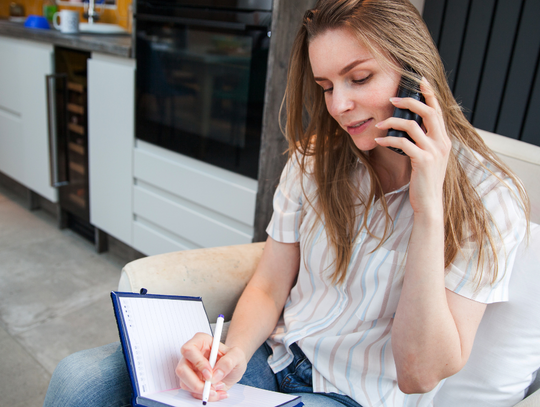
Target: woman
381	263
378	266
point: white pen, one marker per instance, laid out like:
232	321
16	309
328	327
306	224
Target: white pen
213	356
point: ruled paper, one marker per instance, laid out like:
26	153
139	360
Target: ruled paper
157	329
239	396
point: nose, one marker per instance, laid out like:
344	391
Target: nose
341	101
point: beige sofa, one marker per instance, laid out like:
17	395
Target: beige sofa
219	275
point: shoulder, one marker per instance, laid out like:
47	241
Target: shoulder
483	175
298	171
499	194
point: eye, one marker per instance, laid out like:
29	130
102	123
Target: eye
327	90
363	80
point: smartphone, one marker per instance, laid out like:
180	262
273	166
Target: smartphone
407	89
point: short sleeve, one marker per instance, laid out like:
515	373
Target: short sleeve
508	232
285	223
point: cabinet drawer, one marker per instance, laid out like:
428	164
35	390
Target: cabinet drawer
209	187
150	241
180	218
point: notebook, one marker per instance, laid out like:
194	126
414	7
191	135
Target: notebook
152	330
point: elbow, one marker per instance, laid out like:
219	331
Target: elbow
418	373
411	385
421	380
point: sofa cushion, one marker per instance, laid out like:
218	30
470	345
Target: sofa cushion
506	351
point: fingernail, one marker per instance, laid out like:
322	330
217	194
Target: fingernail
377	140
207	374
220	386
218	375
394	100
223	396
377	125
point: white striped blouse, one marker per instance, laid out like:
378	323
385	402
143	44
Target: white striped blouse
346	331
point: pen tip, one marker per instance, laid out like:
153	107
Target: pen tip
204	403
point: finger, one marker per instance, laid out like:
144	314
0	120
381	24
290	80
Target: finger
230	367
189	379
398	142
409	126
413	105
195	386
429	95
432	120
196	351
433	102
213	396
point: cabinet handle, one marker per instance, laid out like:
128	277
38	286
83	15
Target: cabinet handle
57	148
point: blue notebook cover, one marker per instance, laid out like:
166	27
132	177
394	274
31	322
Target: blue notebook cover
152	330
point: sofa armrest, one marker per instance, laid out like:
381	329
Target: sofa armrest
218	275
522	158
532	401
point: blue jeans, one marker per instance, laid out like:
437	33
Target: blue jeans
94	377
99	377
294	379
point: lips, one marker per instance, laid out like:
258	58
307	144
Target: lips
358	127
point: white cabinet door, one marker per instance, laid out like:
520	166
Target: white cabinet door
111	90
35	62
9	78
24	145
11	141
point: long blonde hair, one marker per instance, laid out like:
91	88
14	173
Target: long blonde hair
394	32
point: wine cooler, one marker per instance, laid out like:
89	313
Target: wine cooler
68	142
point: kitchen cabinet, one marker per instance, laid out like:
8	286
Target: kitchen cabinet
180	203
111	84
24	148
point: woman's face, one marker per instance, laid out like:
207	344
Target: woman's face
356	88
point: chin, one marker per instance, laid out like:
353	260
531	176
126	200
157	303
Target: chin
365	145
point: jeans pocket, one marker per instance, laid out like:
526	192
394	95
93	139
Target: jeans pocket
298	379
292	384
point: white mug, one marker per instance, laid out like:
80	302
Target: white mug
69	21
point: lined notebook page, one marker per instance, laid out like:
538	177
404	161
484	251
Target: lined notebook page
157	329
239	396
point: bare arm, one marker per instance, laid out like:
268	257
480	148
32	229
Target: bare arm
262	302
254	319
434	328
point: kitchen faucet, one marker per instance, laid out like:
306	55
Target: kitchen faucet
91	13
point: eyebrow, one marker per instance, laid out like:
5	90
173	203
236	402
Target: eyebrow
347	68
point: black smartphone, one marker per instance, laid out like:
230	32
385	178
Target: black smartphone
407	89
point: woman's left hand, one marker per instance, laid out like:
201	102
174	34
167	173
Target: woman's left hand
429	157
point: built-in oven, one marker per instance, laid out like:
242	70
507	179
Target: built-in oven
200	81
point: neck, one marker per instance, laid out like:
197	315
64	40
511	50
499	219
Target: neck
393	170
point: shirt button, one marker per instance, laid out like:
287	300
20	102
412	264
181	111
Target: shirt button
379	206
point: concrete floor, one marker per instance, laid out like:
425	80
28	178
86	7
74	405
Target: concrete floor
54	299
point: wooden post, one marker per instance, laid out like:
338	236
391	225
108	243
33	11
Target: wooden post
286	19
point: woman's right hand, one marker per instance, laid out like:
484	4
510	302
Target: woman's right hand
255	316
194	369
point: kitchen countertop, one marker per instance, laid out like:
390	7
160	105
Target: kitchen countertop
117	44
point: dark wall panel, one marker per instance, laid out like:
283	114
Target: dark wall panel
469	72
491	53
497	64
433	16
453	30
531	129
522	72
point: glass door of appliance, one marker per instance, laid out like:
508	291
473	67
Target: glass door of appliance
200	89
